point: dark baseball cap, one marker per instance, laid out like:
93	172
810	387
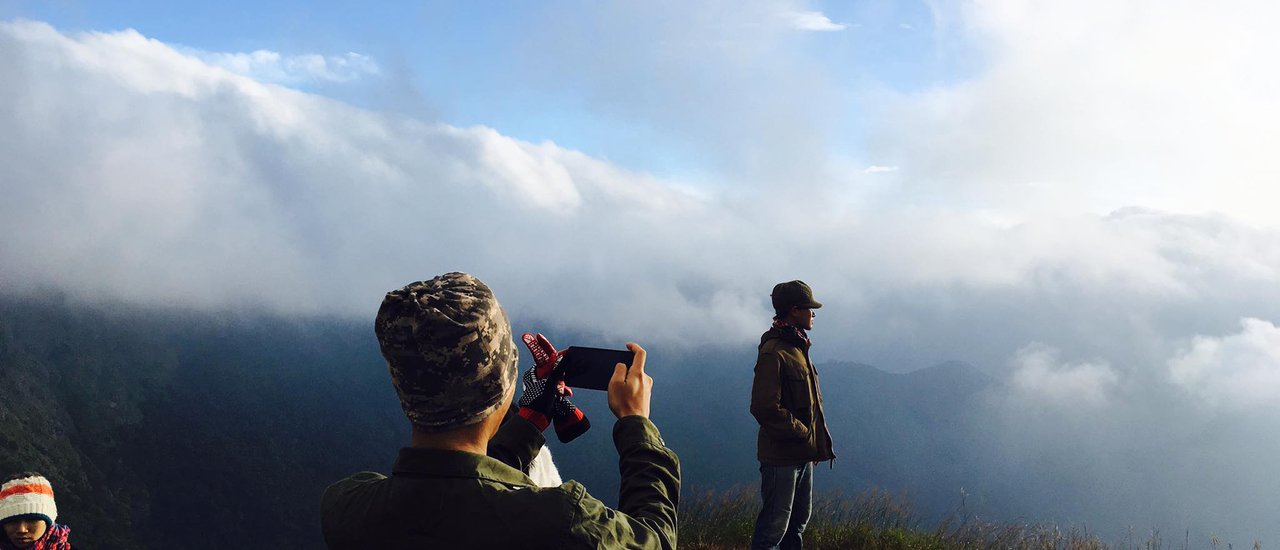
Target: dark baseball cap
793	294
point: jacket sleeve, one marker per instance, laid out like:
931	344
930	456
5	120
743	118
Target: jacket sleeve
516	443
766	401
647	497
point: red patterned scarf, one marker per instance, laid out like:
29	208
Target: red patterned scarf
792	333
56	538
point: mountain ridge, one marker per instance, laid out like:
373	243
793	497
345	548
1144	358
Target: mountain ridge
160	429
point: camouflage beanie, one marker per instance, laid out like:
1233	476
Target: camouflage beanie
448	347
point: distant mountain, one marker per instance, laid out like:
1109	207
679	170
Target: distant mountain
179	430
906	433
184	430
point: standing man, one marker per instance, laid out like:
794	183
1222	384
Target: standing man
459	484
793	431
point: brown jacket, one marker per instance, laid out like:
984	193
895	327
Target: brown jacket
787	403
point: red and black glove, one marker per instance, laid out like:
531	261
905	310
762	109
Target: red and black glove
546	397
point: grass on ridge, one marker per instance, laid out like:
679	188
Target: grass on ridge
877	520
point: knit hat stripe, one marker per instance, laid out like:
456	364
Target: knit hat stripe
38	488
28	495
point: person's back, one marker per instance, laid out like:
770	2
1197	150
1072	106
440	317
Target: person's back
443	493
431	499
439	512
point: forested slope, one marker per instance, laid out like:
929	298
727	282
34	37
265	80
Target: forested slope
185	431
167	428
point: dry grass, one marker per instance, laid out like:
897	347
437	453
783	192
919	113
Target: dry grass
877	520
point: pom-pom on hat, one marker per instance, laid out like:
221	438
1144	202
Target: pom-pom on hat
27	495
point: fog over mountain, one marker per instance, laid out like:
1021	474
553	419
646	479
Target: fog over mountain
1087	218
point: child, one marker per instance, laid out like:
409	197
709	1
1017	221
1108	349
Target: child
27	511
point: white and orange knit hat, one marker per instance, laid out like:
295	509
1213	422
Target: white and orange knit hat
28	495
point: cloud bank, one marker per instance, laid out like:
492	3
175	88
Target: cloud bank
141	172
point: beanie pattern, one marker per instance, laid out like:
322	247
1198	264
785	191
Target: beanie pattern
31	495
449	350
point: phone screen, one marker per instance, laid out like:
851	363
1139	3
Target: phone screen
591	368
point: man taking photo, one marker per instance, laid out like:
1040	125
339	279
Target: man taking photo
459	484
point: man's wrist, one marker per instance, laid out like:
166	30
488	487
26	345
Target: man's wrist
634	430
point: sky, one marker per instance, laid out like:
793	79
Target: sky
1077	197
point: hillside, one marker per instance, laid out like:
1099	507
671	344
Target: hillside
175	423
163	428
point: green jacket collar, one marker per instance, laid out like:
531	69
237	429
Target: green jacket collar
441	463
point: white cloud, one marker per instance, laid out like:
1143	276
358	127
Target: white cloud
269	66
1040	374
134	171
1237	371
192	185
812	21
874	169
1168	106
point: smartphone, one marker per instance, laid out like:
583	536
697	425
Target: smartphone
591	368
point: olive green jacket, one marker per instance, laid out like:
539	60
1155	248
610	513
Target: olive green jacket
787	403
455	499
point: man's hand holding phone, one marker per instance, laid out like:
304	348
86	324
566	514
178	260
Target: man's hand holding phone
630	388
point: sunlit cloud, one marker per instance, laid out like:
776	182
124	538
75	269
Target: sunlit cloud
264	195
269	66
812	21
1150	108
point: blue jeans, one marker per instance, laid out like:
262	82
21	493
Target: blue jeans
787	495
